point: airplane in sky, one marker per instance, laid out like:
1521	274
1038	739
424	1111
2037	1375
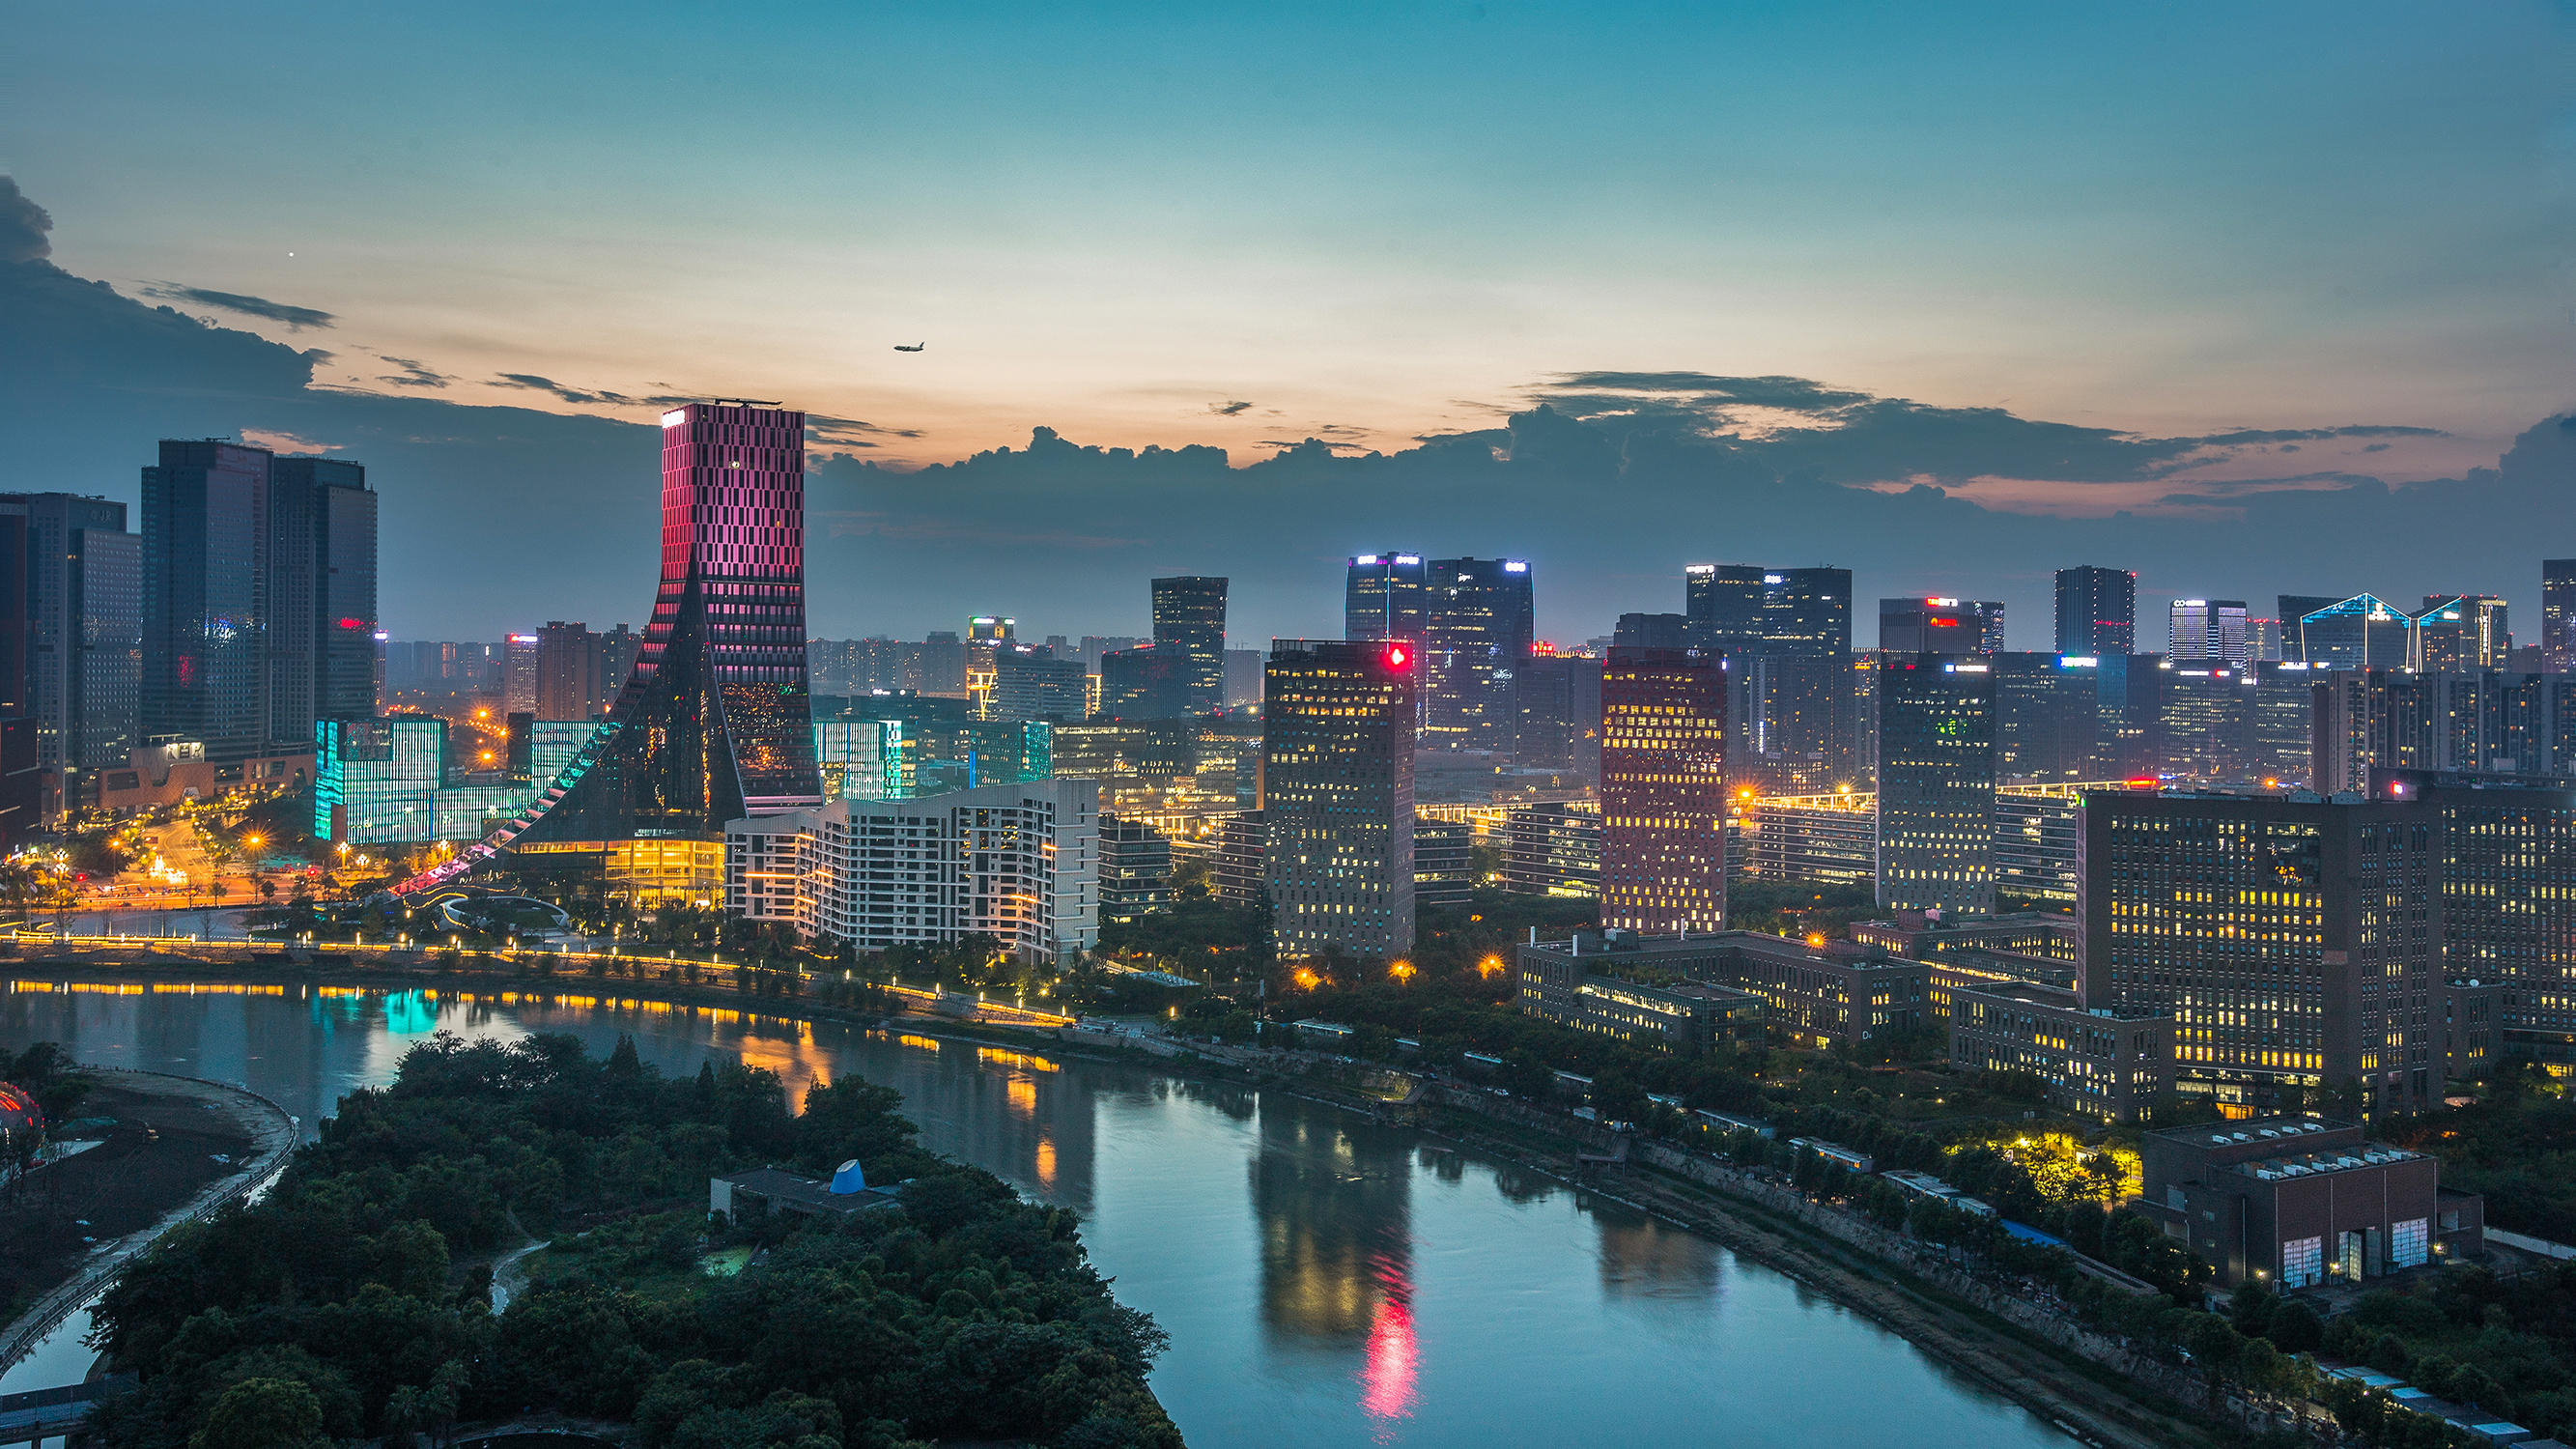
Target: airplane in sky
916	347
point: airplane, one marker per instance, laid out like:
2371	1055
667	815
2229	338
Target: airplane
916	347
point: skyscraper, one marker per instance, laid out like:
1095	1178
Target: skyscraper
1337	795
2558	615
2097	611
2461	631
1788	635
1663	790
1149	681
1383	598
1940	626
205	595
1651	631
1478	625
714	724
2297	942
2356	633
2209	629
85	629
1725	606
1189	616
322	601
1936	783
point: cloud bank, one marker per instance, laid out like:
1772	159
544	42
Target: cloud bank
1609	481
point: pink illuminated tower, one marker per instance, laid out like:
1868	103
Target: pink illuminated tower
713	724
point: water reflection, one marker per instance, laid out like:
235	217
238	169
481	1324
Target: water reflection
1325	1281
1643	1258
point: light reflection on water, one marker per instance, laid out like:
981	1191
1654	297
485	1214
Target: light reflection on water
1326	1281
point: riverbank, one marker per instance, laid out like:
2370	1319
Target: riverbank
180	1148
2094	1402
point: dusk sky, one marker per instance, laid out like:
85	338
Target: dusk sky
2058	261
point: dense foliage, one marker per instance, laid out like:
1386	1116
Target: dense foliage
354	1299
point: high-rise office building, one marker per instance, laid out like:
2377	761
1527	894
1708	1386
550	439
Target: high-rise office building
1663	790
2097	611
1027	685
1940	626
1383	597
519	672
1478	625
1936	783
2297	941
1726	607
322	598
2558	615
85	631
1149	681
1556	714
2361	632
1651	631
2280	726
2366	718
715	723
2204	710
570	675
2046	716
205	595
1189	617
2461	631
1787	633
2209	629
2508	895
1337	795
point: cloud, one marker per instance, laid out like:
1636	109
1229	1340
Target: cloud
23	225
277	440
415	374
851	432
1228	409
295	318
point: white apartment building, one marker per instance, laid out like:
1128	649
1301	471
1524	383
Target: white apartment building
1019	862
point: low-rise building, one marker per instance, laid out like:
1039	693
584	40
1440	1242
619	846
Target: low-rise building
1816	995
1135	870
1444	862
1552	850
2294	1201
2106	1066
1927	936
749	1196
1971	966
1017	862
2472	1025
1687	1016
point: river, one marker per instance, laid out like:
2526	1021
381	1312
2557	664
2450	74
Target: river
1325	1281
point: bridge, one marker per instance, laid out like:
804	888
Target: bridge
41	1414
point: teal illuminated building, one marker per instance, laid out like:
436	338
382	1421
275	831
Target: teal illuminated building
383	782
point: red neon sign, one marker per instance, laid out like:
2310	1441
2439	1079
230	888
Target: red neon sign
1397	656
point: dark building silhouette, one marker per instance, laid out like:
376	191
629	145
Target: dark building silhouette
1150	681
322	595
259	597
2558	615
1383	598
715	723
1189	618
85	622
2097	611
1651	631
1478	626
1940	626
1787	635
1663	790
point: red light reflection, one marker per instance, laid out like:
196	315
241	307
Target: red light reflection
1386	1385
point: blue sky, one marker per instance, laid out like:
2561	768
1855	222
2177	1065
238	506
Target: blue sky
1365	224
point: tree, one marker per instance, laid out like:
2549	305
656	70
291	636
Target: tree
262	1414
